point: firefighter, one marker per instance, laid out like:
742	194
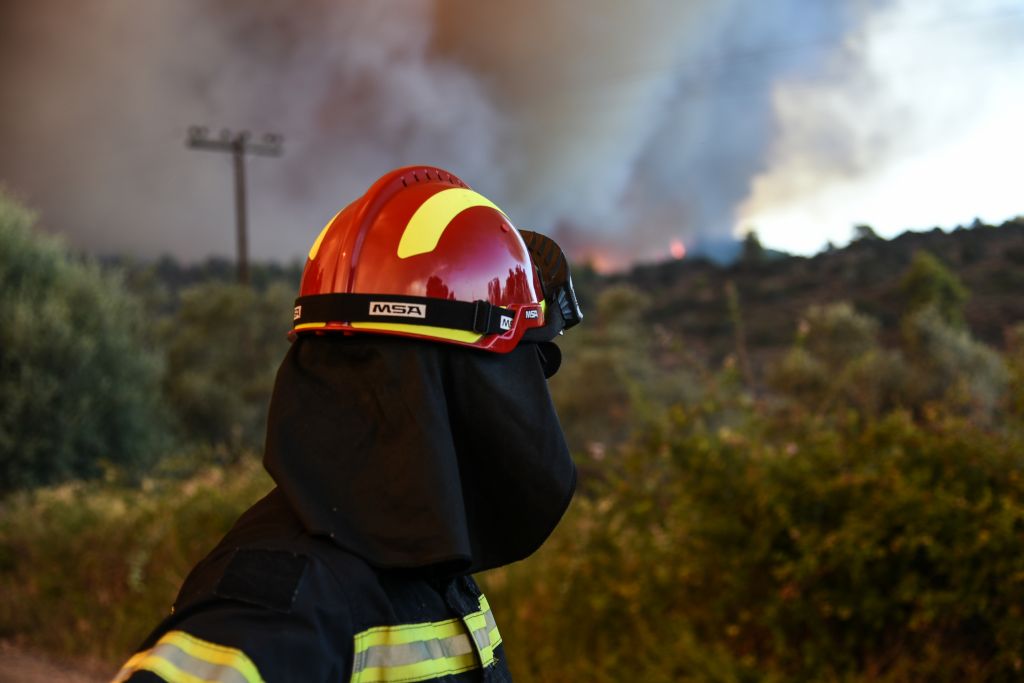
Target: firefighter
412	441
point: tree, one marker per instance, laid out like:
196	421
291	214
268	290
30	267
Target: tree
863	231
929	284
752	250
78	385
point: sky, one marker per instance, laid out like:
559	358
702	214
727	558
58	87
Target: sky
630	132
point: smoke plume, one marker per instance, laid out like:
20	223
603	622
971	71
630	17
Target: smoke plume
620	127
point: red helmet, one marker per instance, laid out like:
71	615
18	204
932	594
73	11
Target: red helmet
423	255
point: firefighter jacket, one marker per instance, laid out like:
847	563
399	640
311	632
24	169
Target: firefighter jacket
273	603
402	467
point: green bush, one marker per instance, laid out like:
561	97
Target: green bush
88	569
224	345
927	283
78	386
611	381
887	550
838	364
1015	368
950	368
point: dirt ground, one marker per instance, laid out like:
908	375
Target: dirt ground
20	666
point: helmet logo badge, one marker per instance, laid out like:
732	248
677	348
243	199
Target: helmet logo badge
506	322
298	313
532	314
398	309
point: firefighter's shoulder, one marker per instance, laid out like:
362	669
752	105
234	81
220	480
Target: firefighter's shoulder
269	603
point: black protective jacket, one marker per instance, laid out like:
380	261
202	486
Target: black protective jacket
401	468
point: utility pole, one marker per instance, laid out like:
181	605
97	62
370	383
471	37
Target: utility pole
239	144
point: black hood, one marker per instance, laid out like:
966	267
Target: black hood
415	454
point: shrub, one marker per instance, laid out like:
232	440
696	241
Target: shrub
611	381
884	550
927	283
224	345
950	368
90	568
78	386
838	364
1015	368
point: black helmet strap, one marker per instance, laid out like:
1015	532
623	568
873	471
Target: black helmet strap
475	316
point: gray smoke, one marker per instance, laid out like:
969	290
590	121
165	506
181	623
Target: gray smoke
640	122
618	126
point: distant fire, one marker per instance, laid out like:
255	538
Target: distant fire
602	263
677	249
603	260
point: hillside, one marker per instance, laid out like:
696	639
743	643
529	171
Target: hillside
690	298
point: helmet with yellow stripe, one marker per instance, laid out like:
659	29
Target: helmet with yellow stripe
420	254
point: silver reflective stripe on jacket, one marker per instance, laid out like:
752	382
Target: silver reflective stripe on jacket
419	652
178	656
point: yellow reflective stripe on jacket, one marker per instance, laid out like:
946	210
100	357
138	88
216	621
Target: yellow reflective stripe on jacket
417	652
181	658
488	620
484	630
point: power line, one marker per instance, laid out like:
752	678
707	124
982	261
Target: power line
238	144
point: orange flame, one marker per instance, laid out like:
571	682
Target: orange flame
677	249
